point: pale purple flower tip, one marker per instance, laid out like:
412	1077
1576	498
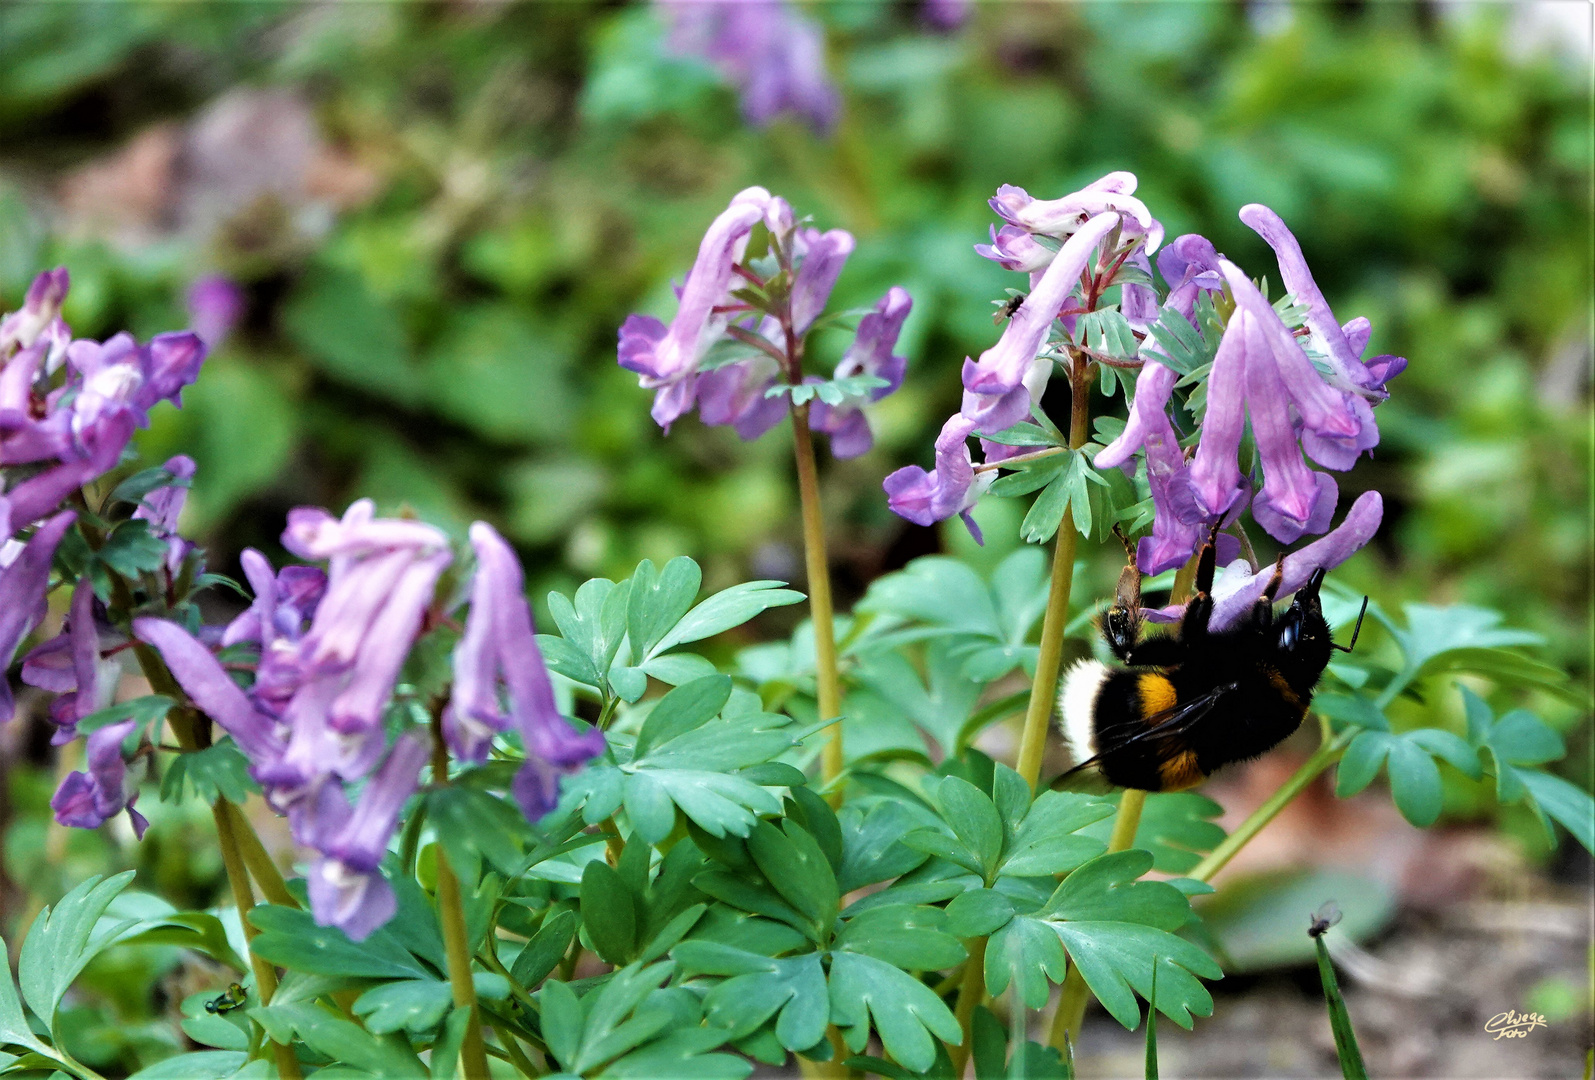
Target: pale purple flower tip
823	255
347	889
22	594
204	680
734	394
1060	217
871	353
215	305
508	650
387	642
162	507
1216	484
952	487
312	533
43	493
1189	265
1016	248
1002	368
1294	499
40	308
667	362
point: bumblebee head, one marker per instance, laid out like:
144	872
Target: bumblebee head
1304	643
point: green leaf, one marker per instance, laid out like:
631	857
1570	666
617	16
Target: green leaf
1029	476
872	847
141	483
204	1065
145	710
724	610
609	912
938	590
681	1053
196	930
607	1033
1113	927
756	988
561	1020
547	947
348	1044
903	1010
446	1051
1566	802
909	936
473	825
1151	1030
418	1005
132	549
1029	953
1023	433
1349	709
658	601
677	669
290	938
974	820
218	771
60	943
1046	513
978	913
1346	1049
1107	331
1177	827
1047	840
1183	349
684	709
1414	782
796	868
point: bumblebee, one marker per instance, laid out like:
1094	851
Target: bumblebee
1190	702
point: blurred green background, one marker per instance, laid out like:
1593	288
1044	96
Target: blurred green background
441	213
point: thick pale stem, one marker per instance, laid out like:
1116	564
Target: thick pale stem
969	995
456	942
1044	688
819	579
244	900
1326	755
259	861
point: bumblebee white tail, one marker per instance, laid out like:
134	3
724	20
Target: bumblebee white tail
1080	687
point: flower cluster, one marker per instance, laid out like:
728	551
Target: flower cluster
760	312
68	409
330	647
1302	393
772	54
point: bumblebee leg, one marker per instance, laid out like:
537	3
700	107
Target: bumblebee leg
1121	623
1274	582
1194	624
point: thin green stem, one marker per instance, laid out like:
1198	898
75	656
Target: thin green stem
1044	687
1327	754
828	682
969	995
513	1051
456	942
257	858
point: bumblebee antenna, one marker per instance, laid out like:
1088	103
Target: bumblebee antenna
1354	630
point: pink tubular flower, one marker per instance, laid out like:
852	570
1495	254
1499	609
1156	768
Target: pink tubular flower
994	394
1215	480
204	680
1190	265
500	643
870	354
1060	217
734	394
1016	248
823	256
952	487
162	506
347	889
1294	499
667	358
40	311
70	665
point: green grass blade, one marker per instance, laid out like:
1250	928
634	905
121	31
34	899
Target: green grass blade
1151	1027
1351	1066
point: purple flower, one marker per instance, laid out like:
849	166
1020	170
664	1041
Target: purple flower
88	800
1061	217
207	683
503	645
1294	499
162	507
40	311
945	14
312	533
994	393
1238	587
774	56
347	889
23	581
1215	482
667	358
69	664
121	375
1016	248
952	487
1328	334
358	708
1190	265
734	394
1149	428
870	354
823	255
215	305
44	492
1338	424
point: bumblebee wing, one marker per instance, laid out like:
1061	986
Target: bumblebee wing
1175	720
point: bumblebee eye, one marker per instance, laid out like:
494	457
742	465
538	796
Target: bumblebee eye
1289	634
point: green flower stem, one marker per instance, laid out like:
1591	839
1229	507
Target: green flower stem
513	1051
257	859
456	943
969	995
829	684
1044	688
1327	754
244	900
